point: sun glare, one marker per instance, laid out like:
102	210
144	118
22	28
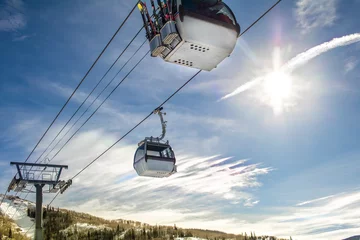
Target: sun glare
277	90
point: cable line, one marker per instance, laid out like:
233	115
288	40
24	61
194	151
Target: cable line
85	112
151	113
77	87
29	228
82	80
101	104
257	20
99	82
171	96
166	99
132	129
188	81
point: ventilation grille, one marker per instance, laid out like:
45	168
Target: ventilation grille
184	62
198	48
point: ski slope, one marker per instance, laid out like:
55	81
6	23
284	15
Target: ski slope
17	211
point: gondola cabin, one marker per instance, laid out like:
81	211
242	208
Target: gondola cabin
194	33
154	159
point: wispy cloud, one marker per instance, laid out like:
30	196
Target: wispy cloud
22	38
244	87
315	200
300	60
303	58
315	14
330	218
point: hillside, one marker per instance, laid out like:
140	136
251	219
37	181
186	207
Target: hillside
65	224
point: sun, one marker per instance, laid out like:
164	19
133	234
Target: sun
277	91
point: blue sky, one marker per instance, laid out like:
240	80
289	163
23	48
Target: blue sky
296	156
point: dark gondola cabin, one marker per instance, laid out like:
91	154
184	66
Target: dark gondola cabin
194	33
154	159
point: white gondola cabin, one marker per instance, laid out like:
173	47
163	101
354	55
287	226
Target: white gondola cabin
154	159
194	33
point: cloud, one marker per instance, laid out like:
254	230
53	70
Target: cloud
12	18
110	188
315	200
300	60
244	87
185	196
303	58
332	217
22	38
315	14
328	218
202	188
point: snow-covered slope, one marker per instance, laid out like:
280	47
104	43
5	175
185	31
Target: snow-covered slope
84	226
16	209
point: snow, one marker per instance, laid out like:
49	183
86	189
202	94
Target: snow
89	226
17	210
84	226
190	238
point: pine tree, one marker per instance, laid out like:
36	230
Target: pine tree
188	234
143	236
181	233
44	214
132	234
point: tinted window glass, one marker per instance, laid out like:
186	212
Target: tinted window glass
153	153
167	153
198	4
211	8
140	153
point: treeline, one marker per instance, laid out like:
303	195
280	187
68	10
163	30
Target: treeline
61	224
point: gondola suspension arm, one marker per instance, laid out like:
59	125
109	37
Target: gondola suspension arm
163	124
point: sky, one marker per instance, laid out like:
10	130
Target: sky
267	142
